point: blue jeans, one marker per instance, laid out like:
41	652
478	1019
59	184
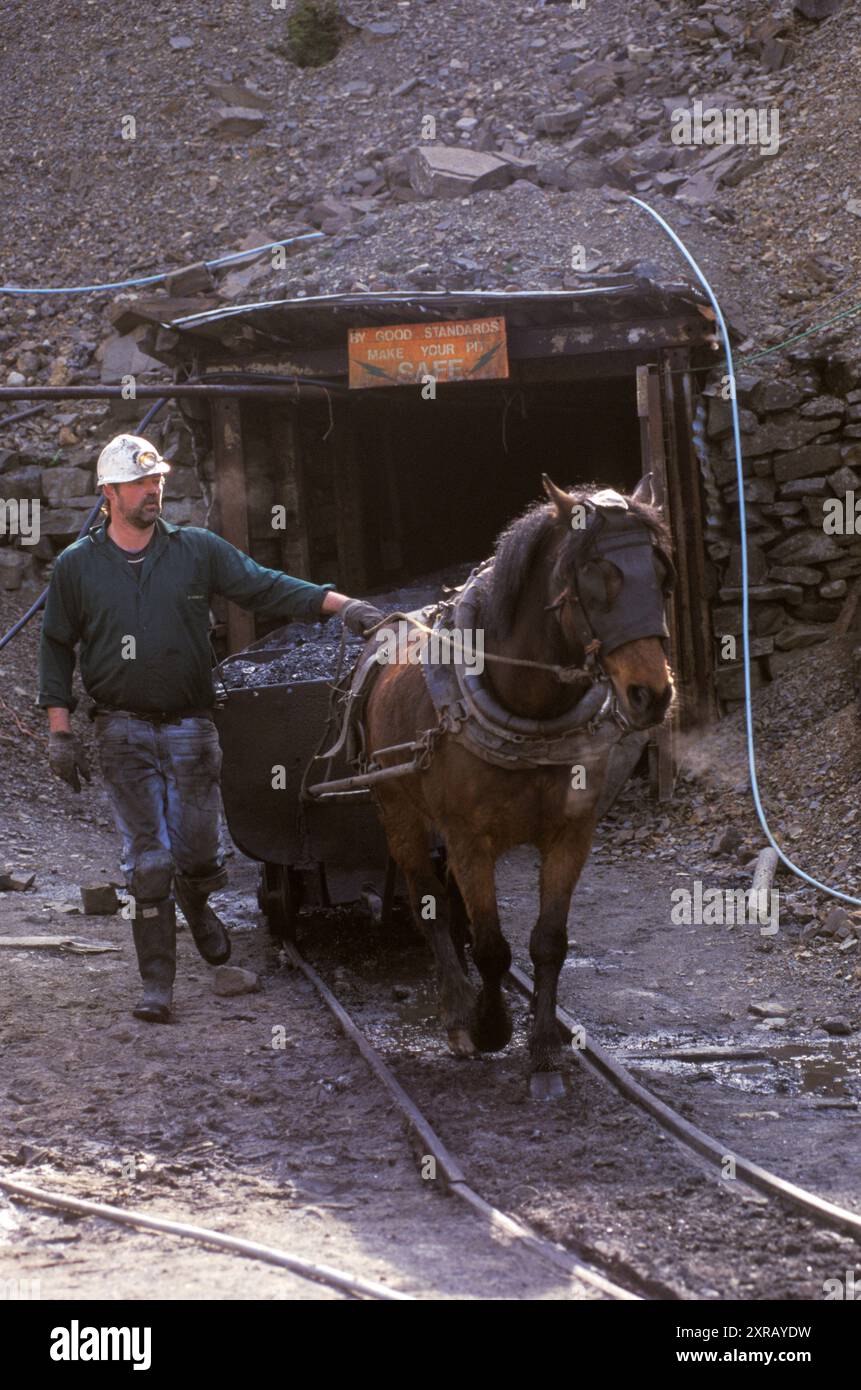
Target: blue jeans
163	783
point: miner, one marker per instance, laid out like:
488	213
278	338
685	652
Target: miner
134	595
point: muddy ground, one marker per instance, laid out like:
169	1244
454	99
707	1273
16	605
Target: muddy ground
296	1146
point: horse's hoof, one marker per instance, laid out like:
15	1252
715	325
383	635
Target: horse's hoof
491	1031
460	1043
546	1085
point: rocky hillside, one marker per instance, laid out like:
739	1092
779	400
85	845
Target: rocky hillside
448	143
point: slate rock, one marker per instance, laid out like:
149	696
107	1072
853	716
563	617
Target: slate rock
806	547
447	171
786	431
807	461
800	635
99	899
232	979
239	120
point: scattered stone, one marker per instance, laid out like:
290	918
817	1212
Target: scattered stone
838	1027
239	120
179	42
838	920
232	979
768	1010
99	899
236	94
446	171
16	565
559	122
191	279
16	880
818	9
596	80
800	635
727	841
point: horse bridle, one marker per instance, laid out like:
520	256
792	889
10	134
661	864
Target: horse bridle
597	544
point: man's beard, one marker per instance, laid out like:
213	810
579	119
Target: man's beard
143	515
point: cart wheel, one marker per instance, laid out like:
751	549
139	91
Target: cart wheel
279	894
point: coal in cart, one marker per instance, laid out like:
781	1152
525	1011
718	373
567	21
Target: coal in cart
275	699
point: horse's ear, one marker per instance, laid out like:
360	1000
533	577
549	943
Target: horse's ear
644	492
561	500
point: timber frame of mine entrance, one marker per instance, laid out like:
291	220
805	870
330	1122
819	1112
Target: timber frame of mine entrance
268	383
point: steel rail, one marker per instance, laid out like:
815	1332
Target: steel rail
595	1059
433	1146
202	1235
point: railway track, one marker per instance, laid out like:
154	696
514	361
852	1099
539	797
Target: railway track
695	1144
447	1164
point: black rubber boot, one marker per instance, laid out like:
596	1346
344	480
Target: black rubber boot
207	928
154	931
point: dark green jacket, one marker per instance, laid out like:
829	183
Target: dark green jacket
95	599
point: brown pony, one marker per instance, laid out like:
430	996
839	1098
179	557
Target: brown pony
543	569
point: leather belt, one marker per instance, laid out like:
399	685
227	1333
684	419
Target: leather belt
158	716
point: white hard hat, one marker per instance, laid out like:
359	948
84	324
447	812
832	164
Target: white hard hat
128	458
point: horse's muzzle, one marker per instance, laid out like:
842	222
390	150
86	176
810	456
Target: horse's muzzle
646	706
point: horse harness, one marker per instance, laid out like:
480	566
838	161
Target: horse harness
467	709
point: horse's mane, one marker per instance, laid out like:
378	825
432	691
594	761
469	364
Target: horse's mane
518	546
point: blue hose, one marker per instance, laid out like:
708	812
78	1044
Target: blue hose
751	753
162	275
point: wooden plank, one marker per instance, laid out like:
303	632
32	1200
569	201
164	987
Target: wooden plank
701	703
391	547
296	544
160	309
232	504
663	747
637	335
349	504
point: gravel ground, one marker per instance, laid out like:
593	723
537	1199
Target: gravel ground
296	1146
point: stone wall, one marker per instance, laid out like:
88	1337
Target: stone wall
65	486
801	441
801	446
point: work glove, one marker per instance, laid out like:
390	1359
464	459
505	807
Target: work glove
358	616
66	759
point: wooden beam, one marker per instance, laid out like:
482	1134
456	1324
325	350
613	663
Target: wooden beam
232	504
296	546
650	409
349	504
640	335
701	700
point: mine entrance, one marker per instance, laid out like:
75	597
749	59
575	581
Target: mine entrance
440	479
378	486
